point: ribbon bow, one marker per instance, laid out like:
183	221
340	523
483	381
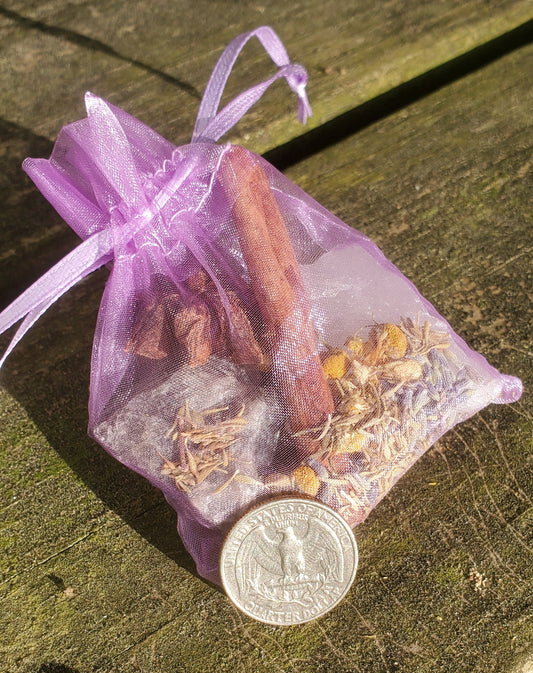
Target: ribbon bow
114	223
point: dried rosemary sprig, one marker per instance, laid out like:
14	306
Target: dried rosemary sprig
203	441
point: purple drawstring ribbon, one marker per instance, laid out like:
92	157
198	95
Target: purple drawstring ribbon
211	124
99	248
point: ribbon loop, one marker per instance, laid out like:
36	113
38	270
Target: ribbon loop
211	124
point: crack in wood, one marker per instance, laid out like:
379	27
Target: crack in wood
350	122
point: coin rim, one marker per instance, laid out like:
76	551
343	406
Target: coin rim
269	503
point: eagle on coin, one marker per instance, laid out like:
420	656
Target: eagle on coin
281	563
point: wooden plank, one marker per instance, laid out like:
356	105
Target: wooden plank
155	59
94	577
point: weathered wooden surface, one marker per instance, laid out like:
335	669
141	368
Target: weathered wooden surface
94	577
154	58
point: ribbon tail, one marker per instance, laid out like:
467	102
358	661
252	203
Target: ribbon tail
29	320
83	260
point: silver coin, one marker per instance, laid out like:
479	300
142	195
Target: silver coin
288	561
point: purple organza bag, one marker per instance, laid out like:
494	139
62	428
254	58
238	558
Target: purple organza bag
249	343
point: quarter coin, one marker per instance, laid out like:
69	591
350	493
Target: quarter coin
288	561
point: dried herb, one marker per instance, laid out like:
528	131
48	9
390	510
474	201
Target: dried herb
150	335
197	321
354	420
394	393
203	444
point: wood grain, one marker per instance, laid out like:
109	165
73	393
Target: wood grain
94	577
154	59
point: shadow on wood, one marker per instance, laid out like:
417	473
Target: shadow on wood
49	377
95	45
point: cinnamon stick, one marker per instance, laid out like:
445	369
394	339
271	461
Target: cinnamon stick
279	291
